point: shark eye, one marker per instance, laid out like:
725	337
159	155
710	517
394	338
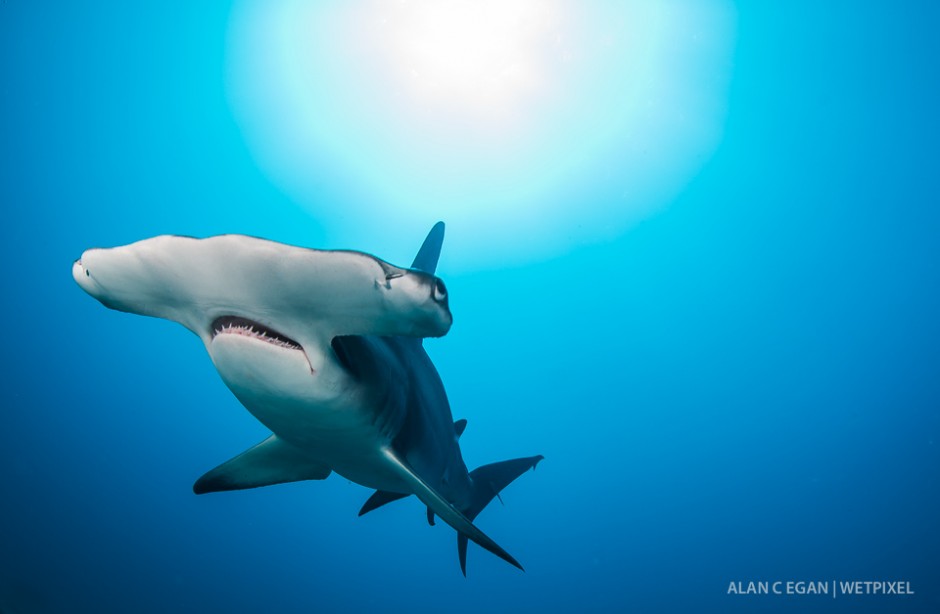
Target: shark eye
440	292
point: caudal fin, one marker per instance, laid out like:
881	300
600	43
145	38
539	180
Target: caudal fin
444	508
488	481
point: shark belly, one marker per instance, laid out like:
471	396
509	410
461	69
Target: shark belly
324	412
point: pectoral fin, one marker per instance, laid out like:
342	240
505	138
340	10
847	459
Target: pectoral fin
272	461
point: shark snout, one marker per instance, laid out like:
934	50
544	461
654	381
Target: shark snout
79	272
82	276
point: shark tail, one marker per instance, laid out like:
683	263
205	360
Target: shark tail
488	481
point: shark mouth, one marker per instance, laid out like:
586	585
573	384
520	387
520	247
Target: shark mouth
234	325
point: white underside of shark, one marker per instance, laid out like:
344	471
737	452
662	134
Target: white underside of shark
324	348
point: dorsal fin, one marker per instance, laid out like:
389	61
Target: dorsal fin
430	251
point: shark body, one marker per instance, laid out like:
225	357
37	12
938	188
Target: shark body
324	348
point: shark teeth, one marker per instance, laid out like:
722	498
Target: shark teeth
234	325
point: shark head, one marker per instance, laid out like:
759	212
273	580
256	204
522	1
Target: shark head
267	312
301	293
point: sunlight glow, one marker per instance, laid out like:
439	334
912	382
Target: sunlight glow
562	120
478	55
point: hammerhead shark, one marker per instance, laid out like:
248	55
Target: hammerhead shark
324	348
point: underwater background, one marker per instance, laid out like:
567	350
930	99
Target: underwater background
737	380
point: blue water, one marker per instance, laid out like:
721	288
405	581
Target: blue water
745	385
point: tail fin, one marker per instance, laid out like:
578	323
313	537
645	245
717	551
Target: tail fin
488	481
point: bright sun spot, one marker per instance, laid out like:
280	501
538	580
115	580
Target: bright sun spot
561	121
481	57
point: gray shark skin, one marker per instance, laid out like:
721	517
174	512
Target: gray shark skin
325	349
